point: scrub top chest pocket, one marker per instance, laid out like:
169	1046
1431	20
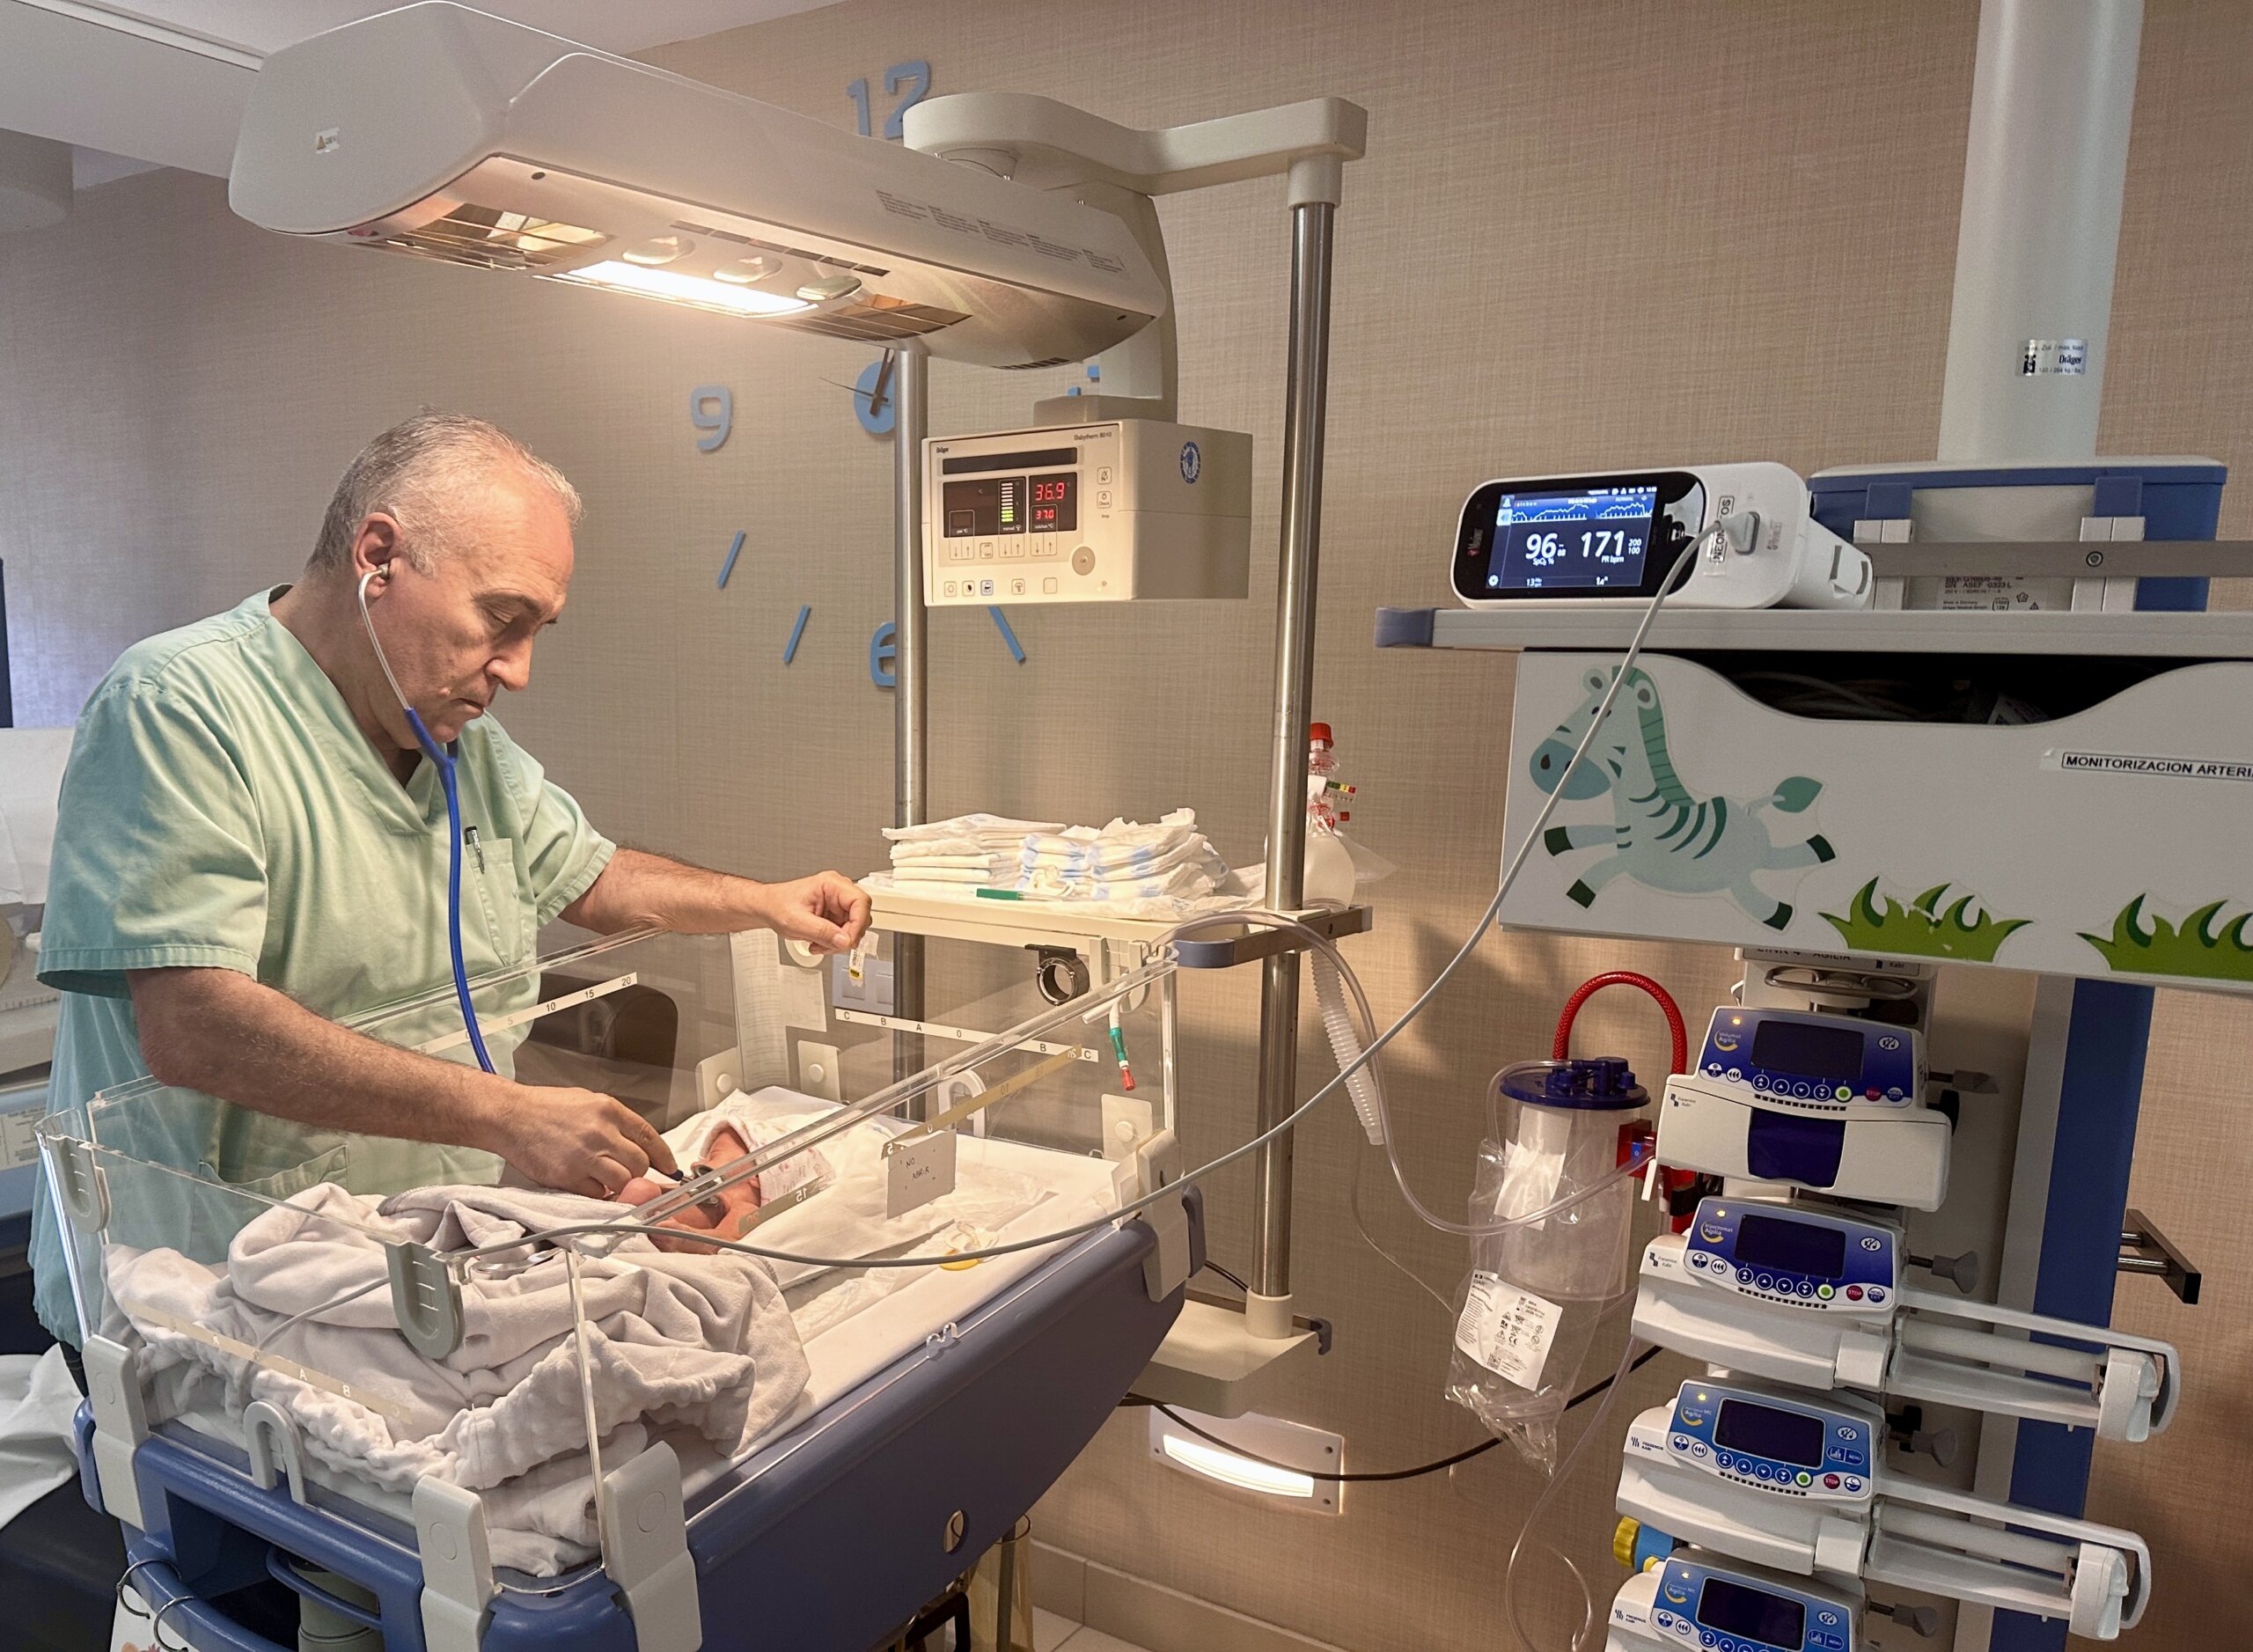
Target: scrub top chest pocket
488	868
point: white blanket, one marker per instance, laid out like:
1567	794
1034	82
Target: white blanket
679	1340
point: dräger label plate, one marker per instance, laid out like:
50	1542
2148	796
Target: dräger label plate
918	1171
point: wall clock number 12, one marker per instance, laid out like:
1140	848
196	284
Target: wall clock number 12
912	78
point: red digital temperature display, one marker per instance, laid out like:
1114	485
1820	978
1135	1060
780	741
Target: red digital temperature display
1055	503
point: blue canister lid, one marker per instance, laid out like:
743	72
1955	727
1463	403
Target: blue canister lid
1594	1083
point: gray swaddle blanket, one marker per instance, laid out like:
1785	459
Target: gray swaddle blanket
674	1339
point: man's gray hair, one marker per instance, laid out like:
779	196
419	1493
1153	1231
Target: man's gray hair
414	471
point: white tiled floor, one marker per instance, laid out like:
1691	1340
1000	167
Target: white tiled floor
1053	1634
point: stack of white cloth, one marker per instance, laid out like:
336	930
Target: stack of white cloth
1167	862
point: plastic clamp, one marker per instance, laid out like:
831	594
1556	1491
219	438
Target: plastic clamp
457	1565
645	1551
121	1424
425	1299
265	1427
1166	1269
79	1184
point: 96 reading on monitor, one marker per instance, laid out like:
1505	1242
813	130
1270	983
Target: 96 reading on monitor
1582	538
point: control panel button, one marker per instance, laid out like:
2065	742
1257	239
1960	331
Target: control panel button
1102	474
1852	1485
1843	1093
985	587
1735	1074
1766	1281
1854	1293
1083	561
1713	1069
948	588
1013	548
1102	497
1759	1081
1805	1288
1048	586
1824	1292
1831	1481
1016	588
1877	1293
985	550
1803	1477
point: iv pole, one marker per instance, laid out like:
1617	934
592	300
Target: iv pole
1038	142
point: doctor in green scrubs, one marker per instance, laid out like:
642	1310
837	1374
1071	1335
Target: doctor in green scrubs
252	847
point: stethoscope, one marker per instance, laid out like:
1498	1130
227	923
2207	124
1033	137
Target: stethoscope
444	760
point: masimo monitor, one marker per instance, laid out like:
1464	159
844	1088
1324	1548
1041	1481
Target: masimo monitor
1585	541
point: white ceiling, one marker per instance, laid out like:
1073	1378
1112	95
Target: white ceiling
162	83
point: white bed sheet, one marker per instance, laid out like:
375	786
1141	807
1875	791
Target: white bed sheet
846	1353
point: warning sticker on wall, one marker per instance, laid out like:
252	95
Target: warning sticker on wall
1508	1330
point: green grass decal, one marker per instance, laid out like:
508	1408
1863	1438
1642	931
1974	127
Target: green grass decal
2194	947
1922	927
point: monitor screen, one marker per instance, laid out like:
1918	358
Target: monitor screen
1769	1431
1733	1608
1582	538
1809	1050
1798	1247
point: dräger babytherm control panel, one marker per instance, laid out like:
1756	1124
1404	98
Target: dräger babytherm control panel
1705	1604
1125	511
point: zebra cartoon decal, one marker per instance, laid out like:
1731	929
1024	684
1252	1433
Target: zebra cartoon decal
1662	835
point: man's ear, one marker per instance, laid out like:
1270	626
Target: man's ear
376	545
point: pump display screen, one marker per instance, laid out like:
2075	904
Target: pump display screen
1581	539
1774	1620
1782	1436
1796	1247
1809	1050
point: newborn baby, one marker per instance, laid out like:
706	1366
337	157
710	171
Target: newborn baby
727	1213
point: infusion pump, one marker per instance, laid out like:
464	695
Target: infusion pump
1596	541
1121	511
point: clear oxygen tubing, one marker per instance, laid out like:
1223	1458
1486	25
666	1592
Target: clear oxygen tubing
777	1151
1585	1634
444	762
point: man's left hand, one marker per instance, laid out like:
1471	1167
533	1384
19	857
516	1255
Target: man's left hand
828	911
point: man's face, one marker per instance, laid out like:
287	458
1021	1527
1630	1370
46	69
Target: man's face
459	634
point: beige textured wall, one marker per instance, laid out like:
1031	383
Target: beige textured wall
1587	234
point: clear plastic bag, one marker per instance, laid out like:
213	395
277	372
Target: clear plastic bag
1529	1308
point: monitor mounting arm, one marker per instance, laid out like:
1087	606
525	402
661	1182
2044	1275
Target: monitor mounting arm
1048	146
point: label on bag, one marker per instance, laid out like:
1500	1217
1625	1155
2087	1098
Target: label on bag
1508	1330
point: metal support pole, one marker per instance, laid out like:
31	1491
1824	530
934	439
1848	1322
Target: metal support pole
1268	1310
2044	174
911	706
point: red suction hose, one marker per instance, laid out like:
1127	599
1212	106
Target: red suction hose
1561	1048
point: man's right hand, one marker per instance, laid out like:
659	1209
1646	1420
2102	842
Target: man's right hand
580	1140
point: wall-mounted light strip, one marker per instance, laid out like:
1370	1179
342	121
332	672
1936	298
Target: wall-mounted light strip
1267	1456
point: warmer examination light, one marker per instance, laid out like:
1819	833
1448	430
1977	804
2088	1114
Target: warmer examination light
440	132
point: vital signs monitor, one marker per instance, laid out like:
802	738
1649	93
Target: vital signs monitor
1589	540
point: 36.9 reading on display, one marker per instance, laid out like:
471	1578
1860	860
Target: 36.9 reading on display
1583	539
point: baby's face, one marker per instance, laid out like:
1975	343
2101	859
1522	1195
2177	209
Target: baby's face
726	1212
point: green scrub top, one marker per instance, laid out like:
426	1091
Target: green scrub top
220	810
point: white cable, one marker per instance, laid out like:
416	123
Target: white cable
1511	868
